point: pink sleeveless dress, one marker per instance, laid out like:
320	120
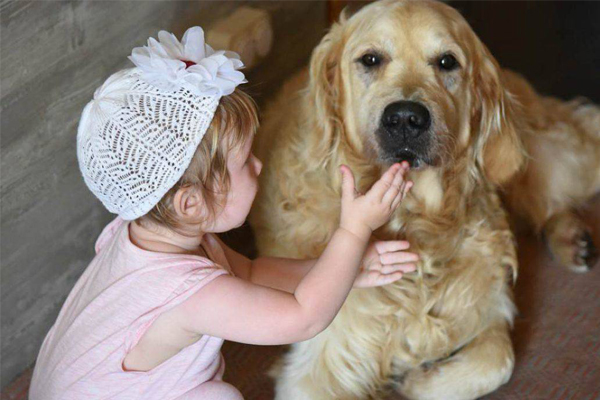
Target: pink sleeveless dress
120	294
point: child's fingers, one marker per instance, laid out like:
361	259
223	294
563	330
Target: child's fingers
387	246
348	188
385	182
387	279
395	188
400	196
398	257
404	268
397	200
407	186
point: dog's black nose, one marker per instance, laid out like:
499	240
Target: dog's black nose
406	117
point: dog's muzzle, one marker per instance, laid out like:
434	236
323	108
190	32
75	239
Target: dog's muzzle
405	132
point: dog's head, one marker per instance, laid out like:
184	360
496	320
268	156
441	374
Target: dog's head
410	80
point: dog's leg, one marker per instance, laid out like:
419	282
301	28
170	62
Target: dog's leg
562	175
562	228
564	231
304	374
570	241
479	368
344	362
292	374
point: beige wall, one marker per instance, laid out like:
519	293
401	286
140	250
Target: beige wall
53	55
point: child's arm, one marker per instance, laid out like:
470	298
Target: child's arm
274	272
238	310
280	273
381	259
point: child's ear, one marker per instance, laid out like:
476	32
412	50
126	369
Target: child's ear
188	204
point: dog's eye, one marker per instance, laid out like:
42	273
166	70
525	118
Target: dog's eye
448	63
370	60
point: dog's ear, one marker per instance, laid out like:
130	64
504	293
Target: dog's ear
499	150
324	90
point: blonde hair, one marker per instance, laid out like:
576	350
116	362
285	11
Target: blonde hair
234	123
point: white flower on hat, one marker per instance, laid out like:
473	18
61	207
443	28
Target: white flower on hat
192	64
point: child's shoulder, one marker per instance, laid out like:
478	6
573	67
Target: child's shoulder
216	251
108	233
117	233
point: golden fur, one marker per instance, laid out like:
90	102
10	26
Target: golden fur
443	331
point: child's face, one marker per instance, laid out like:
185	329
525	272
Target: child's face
244	169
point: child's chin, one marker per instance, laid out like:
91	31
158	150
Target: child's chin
234	225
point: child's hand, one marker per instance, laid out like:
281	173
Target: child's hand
362	214
384	263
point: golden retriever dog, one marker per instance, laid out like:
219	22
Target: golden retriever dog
409	80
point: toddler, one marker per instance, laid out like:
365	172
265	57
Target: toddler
167	146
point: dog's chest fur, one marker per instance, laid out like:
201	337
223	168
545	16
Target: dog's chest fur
464	242
467	256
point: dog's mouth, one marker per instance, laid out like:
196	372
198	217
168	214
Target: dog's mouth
414	160
418	153
407	155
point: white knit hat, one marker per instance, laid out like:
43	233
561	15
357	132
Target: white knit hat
138	135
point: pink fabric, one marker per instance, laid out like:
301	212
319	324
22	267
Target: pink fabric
115	301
